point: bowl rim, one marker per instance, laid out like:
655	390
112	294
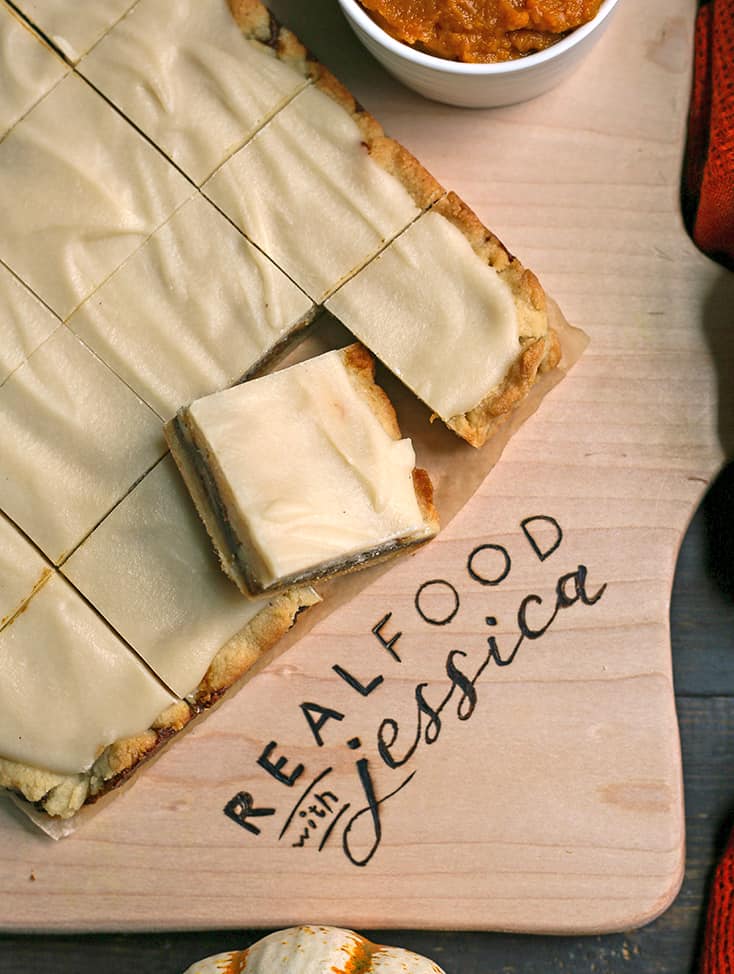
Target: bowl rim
354	11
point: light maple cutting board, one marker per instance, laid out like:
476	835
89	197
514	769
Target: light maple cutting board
486	736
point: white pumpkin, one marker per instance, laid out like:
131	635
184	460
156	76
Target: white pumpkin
316	950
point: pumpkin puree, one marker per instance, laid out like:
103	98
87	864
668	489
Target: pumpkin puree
480	30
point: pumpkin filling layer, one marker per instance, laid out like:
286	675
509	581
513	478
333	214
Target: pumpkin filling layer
481	30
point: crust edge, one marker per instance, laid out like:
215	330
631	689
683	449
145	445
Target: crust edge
63	795
361	366
540	349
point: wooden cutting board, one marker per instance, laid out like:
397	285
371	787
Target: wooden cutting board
486	736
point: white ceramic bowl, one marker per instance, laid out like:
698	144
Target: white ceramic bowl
477	85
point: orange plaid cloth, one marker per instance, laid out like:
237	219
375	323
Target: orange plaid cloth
708	179
708	205
718	948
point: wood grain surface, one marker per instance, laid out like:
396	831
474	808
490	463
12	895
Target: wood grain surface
546	796
702	627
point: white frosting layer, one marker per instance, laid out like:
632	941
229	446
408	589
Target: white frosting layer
187	77
307	471
21	569
74	25
28	68
306	190
150	569
75	439
69	686
24	323
436	314
83	191
191	311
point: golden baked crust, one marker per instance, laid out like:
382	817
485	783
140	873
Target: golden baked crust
245	648
361	365
258	24
61	796
538	355
361	369
209	495
540	346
